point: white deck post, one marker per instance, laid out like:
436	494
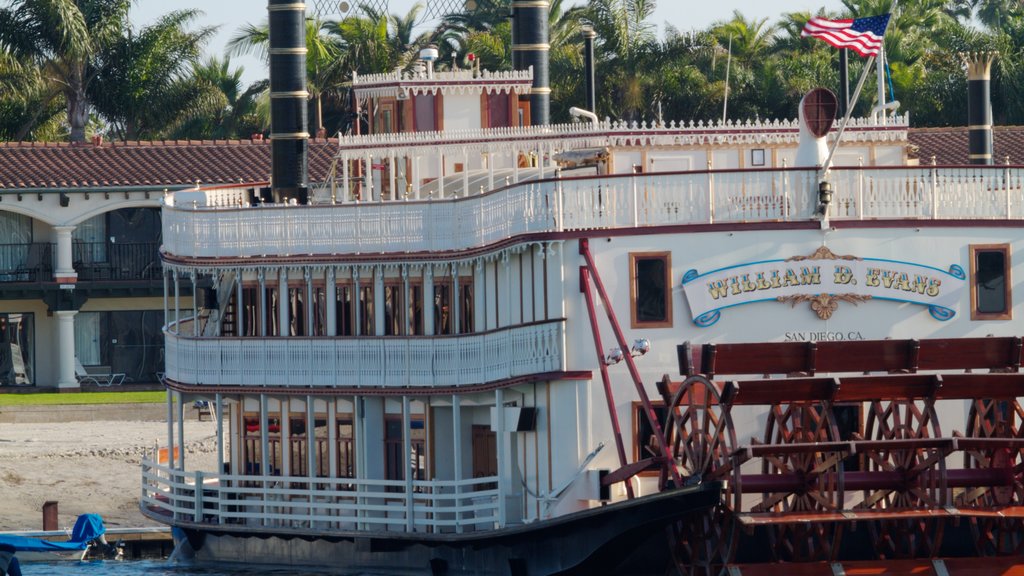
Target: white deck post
264	454
356	300
479	297
465	172
239	305
177	304
391	176
170	430
286	436
331	296
283	299
367	194
440	173
428	300
262	278
346	191
378	301
195	306
416	177
65	270
181	430
218	407
457	457
490	170
410	518
504	486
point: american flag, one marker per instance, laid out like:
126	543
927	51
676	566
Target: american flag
863	35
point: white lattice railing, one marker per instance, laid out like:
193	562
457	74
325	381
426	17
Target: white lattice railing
993	192
319	504
390	361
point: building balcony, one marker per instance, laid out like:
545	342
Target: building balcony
93	261
375	361
592	203
322	505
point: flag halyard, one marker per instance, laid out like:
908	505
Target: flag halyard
862	35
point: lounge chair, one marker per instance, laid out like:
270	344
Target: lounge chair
97	378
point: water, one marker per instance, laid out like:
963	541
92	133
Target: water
161	568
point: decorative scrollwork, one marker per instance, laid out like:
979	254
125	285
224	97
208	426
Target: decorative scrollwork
708	318
824	304
690	275
823	253
941	313
957	272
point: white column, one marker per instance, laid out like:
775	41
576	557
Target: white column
286	436
407	442
195	305
346	193
555	282
457	455
504	290
428	300
311	442
65	270
331	295
440	173
170	430
356	303
332	437
308	276
490	170
456	313
515	165
180	409
239	305
406	304
264	441
367	194
391	176
378	301
262	278
218	413
416	177
66	348
465	172
504	486
479	297
282	304
177	303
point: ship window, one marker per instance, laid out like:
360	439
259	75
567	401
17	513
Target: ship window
394	448
650	292
645	444
425	116
497	109
990	282
366	320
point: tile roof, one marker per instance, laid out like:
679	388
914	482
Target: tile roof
159	163
949	145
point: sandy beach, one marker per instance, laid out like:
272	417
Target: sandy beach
85	467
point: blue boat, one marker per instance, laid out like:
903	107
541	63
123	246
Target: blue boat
88	532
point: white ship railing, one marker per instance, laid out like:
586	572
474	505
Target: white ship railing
546	206
382	361
319	504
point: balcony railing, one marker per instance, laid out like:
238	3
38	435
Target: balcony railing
390	361
26	262
319	504
976	192
116	261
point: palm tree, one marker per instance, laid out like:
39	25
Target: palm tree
66	39
241	114
325	50
146	86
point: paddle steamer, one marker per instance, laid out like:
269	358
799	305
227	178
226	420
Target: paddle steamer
490	344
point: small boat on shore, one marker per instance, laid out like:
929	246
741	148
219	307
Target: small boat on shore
87	534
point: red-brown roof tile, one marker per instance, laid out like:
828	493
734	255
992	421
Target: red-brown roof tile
949	145
167	163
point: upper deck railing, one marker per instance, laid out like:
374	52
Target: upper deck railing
395	361
620	201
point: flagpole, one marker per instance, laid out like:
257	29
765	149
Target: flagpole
846	119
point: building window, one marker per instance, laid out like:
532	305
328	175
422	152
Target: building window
443	307
127	341
645	444
650	289
990	282
17	347
394	319
466	325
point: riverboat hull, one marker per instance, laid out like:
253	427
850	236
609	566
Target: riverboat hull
535	549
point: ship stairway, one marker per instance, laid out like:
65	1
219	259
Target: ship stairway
222	320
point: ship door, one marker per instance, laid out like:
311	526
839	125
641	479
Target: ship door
485	452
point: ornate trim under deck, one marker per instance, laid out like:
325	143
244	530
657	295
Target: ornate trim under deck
379	391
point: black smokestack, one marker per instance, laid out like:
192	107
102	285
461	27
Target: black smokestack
588	67
288	132
530	48
979	106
